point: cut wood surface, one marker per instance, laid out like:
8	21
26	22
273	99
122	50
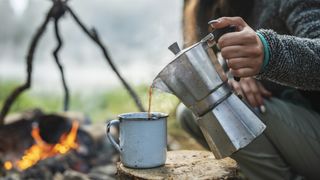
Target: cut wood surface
185	164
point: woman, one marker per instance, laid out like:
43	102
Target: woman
279	41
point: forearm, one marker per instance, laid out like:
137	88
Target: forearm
293	61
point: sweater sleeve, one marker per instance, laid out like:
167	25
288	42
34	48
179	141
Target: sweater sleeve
295	60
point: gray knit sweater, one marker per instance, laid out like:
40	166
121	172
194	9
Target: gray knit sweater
294	41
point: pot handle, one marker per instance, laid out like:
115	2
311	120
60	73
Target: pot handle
110	137
217	33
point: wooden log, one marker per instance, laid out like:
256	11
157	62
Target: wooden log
15	135
185	164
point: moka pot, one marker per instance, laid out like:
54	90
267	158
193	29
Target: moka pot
198	80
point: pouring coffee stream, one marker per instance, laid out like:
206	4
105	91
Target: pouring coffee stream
149	102
198	80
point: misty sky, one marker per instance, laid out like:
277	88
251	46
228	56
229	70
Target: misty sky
136	33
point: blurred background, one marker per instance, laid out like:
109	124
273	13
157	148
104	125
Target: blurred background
136	34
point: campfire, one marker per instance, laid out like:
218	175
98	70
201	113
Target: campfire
42	150
49	146
45	146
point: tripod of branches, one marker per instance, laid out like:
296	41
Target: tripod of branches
58	9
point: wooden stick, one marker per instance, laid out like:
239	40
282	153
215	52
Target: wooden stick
11	98
57	60
56	11
94	36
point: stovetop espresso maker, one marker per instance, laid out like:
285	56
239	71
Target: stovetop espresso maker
198	80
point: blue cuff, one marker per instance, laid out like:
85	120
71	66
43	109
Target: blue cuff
266	51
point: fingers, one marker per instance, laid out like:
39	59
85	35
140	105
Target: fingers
236	63
264	91
237	38
242	63
243	49
228	21
251	90
250	95
258	99
238	51
230	52
230	39
236	87
243	72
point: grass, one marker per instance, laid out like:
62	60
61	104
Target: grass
100	106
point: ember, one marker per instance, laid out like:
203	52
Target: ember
42	150
8	165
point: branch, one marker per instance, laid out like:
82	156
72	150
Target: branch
94	36
56	57
11	98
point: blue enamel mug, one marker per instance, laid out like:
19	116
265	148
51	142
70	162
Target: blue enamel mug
142	139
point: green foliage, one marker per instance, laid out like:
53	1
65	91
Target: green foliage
27	100
97	105
100	106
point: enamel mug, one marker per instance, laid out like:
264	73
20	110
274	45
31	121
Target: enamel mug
142	139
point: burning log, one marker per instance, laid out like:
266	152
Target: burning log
46	146
11	134
49	139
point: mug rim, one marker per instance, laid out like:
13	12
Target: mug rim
126	116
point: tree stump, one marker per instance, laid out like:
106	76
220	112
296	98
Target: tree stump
185	164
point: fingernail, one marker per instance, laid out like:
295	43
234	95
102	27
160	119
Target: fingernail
214	21
263	109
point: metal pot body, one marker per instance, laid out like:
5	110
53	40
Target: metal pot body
230	126
198	80
193	75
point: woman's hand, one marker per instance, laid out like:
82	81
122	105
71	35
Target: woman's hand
242	49
251	89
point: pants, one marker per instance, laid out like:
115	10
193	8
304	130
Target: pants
289	148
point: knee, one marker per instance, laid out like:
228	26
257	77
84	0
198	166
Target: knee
189	124
275	110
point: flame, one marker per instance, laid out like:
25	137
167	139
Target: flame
7	165
42	150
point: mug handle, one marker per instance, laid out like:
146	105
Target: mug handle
110	137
